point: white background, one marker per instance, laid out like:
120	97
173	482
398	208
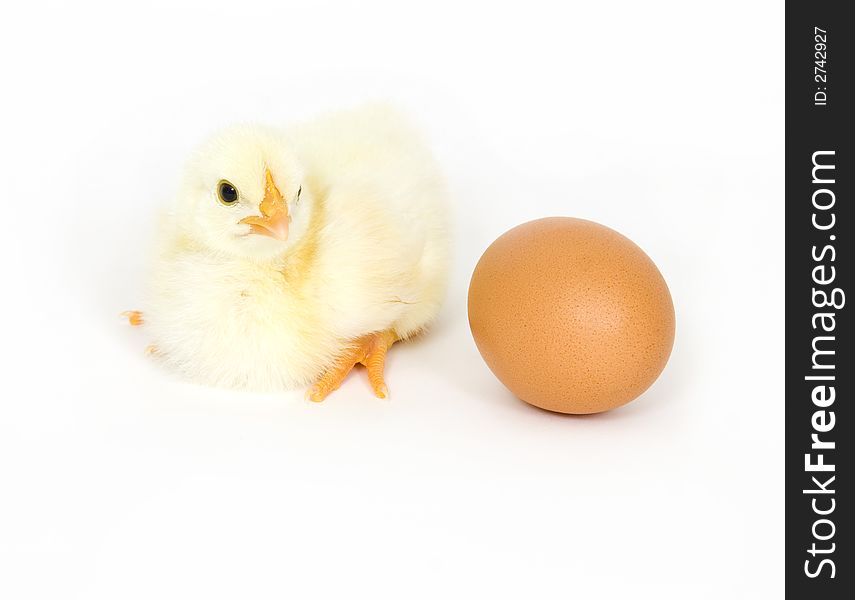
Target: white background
663	120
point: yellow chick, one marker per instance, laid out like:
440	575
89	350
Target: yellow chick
291	255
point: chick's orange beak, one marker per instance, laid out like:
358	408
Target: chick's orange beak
274	218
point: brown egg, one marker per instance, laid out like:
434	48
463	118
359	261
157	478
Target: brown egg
570	315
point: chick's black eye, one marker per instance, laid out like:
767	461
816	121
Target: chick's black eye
227	193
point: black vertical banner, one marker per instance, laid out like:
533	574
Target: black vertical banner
820	371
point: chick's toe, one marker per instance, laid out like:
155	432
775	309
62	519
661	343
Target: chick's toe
370	351
134	317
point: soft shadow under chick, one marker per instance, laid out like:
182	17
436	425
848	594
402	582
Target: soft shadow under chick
291	255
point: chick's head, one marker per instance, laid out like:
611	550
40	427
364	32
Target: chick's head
243	194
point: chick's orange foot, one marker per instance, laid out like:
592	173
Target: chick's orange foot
134	317
369	350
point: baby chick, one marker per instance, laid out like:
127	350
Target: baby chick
290	256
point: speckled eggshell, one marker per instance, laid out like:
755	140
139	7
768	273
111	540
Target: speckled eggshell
570	315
